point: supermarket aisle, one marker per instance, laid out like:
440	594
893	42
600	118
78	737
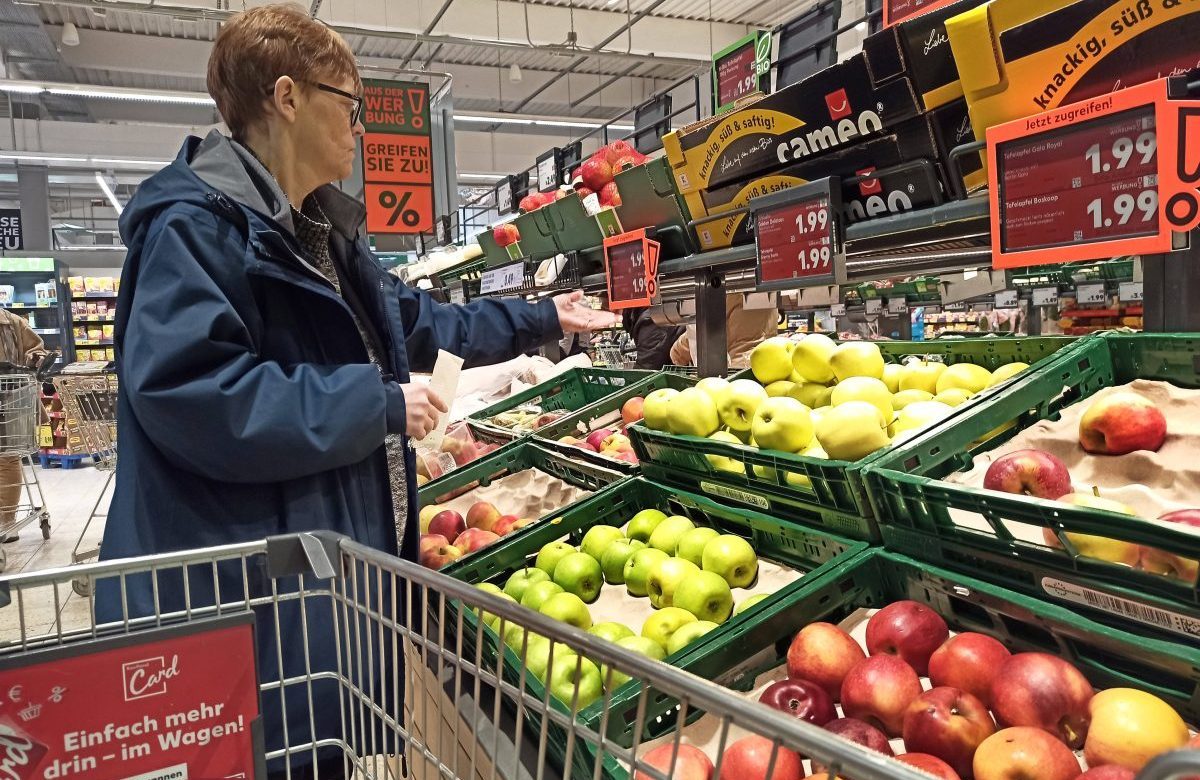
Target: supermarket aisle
69	496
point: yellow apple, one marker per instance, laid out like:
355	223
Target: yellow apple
857	358
1006	371
906	397
738	402
724	462
782	424
811	451
966	376
426	516
810	360
691	412
811	394
713	385
921	375
656	406
781	387
742	436
771	360
1129	727
852	430
1100	547
891	376
916	416
864	388
816	415
953	396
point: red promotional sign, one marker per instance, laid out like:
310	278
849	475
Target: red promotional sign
1106	177
899	10
796	236
180	706
631	268
397	157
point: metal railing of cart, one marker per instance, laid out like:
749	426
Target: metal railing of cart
21	499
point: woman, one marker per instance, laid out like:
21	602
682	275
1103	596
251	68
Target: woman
264	355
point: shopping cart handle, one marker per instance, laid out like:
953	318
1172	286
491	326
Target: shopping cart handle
311	552
1172	766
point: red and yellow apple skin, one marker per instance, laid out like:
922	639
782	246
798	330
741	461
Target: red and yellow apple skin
1043	691
1120	423
1024	753
1029	473
1159	561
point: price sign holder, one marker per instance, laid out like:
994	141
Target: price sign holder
1090	294
631	269
740	69
797	237
506	277
510	190
873	306
1006	299
549	170
1107	177
897	306
1045	296
1129	292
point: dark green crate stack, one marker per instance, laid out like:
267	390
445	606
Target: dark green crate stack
814	491
607	409
913	500
571	391
807	550
486	434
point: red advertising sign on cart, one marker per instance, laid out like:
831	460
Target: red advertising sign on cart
796	235
1103	178
631	269
397	157
182	705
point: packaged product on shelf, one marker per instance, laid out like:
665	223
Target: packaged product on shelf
107	331
92	308
106	284
91	284
45	293
7	291
76	284
102	308
81	333
95	333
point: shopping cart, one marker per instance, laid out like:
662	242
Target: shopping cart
21	499
409	671
90	403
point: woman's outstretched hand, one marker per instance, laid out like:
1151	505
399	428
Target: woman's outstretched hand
575	317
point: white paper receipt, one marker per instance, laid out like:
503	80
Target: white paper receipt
444	384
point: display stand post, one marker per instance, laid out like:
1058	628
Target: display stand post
1172	288
711	348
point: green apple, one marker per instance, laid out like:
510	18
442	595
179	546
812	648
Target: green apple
812	394
724	462
521	579
891	376
743	437
492	619
745	604
659	626
576	682
537	657
580	573
598	538
918	415
765	473
514	636
856	358
853	430
643	524
636	644
692	413
918	374
965	376
775	389
816	415
568	608
637	569
953	396
668	533
713	385
810	360
691	544
613	562
864	388
1007	371
782	424
611	631
666	577
706	595
549	556
488	587
738	402
732	558
771	360
802	480
687	634
656	406
536	594
906	397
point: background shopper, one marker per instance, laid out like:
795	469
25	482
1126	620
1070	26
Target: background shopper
20	346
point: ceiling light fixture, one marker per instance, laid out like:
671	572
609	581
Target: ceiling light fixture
74	160
483	176
502	120
70	35
106	93
108	193
514	73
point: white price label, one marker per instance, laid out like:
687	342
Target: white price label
897	306
1045	296
504	198
456	295
1090	293
838	310
874	306
1143	613
1006	299
1130	292
954	307
503	278
547	173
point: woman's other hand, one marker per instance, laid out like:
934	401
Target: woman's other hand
421	409
575	317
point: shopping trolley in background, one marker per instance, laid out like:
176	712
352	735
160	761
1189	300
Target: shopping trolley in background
90	402
21	499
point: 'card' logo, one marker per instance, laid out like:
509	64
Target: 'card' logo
869	186
20	754
838	104
148	677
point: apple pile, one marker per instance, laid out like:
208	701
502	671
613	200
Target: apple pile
610	442
988	714
819	399
597	172
483	525
506	233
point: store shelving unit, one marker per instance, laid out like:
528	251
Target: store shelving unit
47	317
96	342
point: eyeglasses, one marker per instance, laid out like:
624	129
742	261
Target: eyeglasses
356	112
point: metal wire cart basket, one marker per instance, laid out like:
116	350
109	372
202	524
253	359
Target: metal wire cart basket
21	499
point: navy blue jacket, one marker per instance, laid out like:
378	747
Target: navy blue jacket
248	406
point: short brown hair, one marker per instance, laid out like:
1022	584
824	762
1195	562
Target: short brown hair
257	47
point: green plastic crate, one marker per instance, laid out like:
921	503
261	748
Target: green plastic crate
571	390
607	409
484	434
836	496
813	552
649	199
913	501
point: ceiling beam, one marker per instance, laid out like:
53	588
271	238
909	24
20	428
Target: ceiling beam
428	29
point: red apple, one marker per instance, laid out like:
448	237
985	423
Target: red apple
506	234
1110	772
1029	473
878	690
584	191
448	523
615	150
629	456
531	202
689	763
1024	753
610	195
862	733
483	514
596	438
968	661
750	757
509	523
823	653
618	442
625	163
907	629
803	699
474	539
1122	422
631	410
948	723
596	173
1163	562
931	764
436	552
1043	691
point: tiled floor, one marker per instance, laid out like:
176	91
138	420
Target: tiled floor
69	496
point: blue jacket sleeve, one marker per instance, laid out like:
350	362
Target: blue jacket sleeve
482	332
203	395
